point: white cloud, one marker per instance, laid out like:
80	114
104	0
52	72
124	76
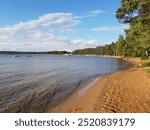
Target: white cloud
94	13
39	34
110	29
85	43
51	22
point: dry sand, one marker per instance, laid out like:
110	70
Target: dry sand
124	91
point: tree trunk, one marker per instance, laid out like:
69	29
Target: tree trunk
146	52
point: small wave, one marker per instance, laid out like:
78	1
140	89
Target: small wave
30	102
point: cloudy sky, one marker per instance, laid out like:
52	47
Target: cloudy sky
47	25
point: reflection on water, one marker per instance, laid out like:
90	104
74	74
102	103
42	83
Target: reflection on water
31	84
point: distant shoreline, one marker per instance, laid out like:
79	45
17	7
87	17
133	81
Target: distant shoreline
123	91
32	52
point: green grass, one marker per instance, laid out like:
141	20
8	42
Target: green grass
147	70
146	64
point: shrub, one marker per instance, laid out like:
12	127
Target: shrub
143	57
134	54
146	64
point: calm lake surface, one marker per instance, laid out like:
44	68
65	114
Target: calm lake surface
32	84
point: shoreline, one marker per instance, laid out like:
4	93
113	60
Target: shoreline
122	91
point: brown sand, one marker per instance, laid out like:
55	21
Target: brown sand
125	91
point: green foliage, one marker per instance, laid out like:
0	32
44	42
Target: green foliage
146	64
137	14
134	54
143	56
120	46
148	71
102	50
128	10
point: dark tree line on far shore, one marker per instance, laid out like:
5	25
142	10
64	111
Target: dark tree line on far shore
49	52
136	42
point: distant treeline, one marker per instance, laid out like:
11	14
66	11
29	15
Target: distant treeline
136	42
49	52
102	50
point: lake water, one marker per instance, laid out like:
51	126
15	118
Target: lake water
32	84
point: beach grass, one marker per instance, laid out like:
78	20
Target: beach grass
146	64
147	70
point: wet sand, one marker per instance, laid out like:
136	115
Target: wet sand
120	92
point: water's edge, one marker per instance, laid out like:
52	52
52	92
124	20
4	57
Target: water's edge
82	88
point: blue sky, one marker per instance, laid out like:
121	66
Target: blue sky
45	25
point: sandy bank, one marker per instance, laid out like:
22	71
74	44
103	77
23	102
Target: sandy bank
125	91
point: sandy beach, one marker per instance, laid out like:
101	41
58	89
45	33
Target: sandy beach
120	92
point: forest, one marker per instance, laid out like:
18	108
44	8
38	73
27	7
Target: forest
136	39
